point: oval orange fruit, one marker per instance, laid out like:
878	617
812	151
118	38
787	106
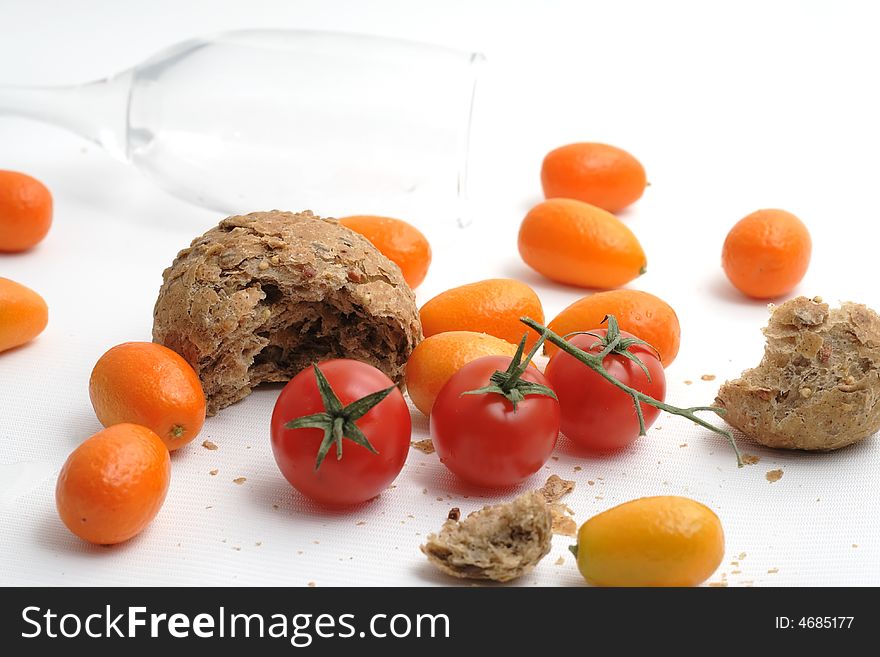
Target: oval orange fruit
645	316
493	306
767	253
439	357
651	541
400	242
113	484
602	175
25	211
23	314
579	244
148	384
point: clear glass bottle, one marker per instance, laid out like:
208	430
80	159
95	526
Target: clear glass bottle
264	119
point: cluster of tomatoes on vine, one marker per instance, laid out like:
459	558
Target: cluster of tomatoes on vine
341	429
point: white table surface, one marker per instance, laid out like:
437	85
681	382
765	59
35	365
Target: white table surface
730	110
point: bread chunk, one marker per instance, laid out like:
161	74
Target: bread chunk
264	295
818	384
499	543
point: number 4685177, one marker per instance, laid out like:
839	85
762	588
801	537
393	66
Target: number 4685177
815	622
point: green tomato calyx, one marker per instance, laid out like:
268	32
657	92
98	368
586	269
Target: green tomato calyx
508	383
338	421
614	343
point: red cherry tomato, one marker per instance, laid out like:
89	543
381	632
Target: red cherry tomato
597	415
481	438
360	474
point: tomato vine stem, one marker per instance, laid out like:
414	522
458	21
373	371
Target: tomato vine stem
616	344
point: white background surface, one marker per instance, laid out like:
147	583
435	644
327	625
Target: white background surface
730	109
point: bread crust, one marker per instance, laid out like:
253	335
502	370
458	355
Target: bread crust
817	386
263	295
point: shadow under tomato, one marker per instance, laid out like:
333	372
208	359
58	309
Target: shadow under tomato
281	497
421	423
445	483
567	446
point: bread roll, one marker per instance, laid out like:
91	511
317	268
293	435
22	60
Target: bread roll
263	295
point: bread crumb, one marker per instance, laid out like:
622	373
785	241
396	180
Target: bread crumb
683	445
742	555
708	377
561	524
300	552
577	468
590	482
688	382
718	584
773	475
855	545
772	571
209	507
554	458
236	548
817	299
316	542
735	572
239	480
361	523
275	506
258	543
207	444
454	514
426	445
424	491
312	584
439	499
555	488
213	472
750	459
559	562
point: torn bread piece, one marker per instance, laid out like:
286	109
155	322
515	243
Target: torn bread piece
817	386
498	543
